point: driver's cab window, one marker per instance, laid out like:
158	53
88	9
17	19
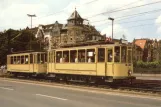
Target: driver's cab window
117	54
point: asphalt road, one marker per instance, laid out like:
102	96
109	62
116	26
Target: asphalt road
19	94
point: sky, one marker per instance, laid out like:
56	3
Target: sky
132	18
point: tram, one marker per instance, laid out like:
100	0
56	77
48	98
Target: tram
27	63
97	62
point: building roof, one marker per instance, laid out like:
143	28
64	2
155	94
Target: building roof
75	15
141	43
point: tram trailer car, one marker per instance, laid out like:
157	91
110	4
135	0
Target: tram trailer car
92	63
32	63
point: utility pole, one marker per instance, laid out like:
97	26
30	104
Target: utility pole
31	25
9	39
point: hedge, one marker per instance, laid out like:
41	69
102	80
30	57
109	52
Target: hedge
141	64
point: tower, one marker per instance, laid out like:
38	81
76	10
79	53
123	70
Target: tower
75	19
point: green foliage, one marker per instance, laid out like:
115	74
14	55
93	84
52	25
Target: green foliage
142	64
18	41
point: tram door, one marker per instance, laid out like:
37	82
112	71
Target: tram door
109	62
35	63
129	58
101	64
49	65
31	62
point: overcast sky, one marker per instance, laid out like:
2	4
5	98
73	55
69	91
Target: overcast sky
146	24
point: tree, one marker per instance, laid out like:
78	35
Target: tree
16	41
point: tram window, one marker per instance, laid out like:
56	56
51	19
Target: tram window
22	59
14	60
38	58
59	57
73	56
18	59
81	55
90	55
11	59
35	58
42	58
101	55
49	56
110	55
8	60
123	53
45	55
65	56
129	56
31	58
53	56
117	54
26	59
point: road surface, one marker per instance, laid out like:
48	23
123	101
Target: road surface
22	94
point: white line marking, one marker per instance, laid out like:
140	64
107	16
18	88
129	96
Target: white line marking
86	90
51	97
134	96
6	88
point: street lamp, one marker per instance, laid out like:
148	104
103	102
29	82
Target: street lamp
112	19
31	17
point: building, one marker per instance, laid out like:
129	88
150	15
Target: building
74	32
146	50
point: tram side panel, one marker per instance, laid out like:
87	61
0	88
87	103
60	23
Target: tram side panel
69	62
27	63
18	63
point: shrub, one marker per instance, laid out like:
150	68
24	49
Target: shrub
142	64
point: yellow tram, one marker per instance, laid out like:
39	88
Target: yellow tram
27	63
106	62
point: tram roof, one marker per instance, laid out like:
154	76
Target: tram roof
91	46
26	53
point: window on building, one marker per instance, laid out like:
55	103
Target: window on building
110	55
65	56
73	56
101	54
90	55
117	54
81	55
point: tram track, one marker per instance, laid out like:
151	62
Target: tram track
152	87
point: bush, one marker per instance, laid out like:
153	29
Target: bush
142	64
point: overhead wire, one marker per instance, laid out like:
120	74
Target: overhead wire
127	16
114	11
